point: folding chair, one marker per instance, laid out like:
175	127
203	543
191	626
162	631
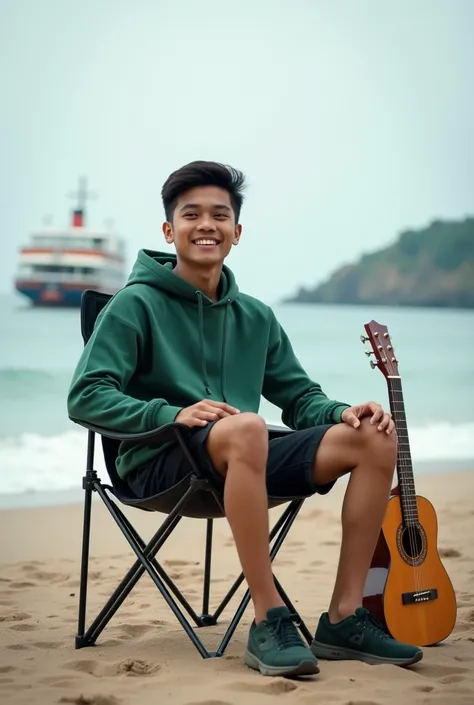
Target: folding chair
194	496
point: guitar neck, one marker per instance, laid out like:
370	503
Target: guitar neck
406	479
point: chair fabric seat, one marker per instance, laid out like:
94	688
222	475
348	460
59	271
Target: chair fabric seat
202	505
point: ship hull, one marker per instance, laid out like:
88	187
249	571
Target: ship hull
62	296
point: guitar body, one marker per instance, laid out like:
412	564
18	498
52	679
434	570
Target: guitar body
416	572
407	588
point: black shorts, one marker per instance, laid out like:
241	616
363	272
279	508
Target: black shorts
290	459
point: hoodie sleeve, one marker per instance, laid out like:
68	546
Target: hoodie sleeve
107	364
286	385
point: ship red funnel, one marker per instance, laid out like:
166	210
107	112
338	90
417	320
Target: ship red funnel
78	219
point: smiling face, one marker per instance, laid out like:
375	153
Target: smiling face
203	227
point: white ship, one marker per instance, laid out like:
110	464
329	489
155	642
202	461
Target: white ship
58	264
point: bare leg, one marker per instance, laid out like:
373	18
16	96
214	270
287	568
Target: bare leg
238	447
370	456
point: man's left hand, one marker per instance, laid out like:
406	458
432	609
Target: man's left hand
378	416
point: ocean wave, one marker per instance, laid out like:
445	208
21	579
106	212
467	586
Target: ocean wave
34	463
19	373
22	381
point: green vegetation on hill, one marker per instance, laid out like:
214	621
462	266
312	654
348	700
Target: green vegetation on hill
429	267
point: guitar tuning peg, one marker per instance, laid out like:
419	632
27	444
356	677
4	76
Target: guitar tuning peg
363	339
369	352
373	363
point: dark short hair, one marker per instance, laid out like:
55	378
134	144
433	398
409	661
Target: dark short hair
200	173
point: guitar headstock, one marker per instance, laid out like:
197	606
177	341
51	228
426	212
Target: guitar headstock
379	338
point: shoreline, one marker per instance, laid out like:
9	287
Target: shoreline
73	496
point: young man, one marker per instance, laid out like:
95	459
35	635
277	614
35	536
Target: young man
180	343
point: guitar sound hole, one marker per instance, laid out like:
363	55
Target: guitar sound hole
412	544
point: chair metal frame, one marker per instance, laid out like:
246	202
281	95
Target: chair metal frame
195	497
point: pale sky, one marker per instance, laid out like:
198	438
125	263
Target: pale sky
352	120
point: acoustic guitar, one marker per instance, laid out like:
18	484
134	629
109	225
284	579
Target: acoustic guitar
407	588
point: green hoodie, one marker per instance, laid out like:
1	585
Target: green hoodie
161	345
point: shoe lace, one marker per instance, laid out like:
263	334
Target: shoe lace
285	632
366	620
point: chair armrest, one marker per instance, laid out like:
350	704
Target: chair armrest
168	432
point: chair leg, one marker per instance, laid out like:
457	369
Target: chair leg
302	626
120	594
88	484
207	618
84	568
281	520
284	524
161	571
145	562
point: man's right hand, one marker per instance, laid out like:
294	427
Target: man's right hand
204	411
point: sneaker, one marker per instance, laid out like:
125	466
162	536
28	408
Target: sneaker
275	647
361	637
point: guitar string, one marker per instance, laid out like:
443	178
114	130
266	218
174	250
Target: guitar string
403	466
408	499
407	474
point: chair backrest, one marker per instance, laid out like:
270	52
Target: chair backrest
92	303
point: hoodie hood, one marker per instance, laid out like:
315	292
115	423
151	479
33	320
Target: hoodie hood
156	269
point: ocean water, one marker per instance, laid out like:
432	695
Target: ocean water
42	453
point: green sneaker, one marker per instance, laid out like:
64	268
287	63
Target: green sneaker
275	647
361	637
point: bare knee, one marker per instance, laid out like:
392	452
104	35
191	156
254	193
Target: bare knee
242	438
378	446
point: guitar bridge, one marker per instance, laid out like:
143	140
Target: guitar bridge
412	598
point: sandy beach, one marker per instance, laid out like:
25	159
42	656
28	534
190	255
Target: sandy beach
144	657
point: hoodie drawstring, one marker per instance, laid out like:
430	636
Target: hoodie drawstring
224	350
202	342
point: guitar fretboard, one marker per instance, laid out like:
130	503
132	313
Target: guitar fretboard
404	465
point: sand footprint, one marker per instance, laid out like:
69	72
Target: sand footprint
277	686
7	669
440	672
23	627
47	645
452	679
59	681
15	617
47	577
315	514
135	667
134	631
364	702
282	562
209	702
31	566
173	563
449	553
90	700
424	688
